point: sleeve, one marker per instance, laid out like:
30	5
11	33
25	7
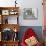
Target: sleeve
38	44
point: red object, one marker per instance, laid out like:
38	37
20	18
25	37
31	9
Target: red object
29	33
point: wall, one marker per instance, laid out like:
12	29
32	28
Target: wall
27	4
32	4
6	3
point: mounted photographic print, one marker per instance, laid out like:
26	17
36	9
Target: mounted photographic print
30	13
5	12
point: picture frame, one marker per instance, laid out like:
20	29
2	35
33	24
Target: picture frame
5	12
30	13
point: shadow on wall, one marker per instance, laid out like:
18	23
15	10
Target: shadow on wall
37	29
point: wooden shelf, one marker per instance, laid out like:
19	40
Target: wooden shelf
10	26
5	8
10	43
4	13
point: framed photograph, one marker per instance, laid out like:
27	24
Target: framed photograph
5	12
30	13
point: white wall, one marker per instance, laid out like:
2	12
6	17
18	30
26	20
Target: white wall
27	4
6	3
32	4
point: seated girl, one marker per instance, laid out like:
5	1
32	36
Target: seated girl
30	38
